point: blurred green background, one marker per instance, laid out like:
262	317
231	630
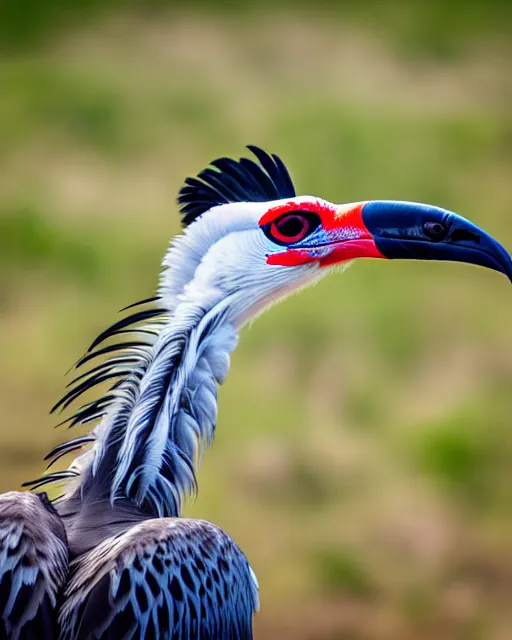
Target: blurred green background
364	451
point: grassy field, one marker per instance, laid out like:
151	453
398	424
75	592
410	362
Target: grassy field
364	451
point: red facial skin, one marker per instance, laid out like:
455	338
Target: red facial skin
324	210
359	242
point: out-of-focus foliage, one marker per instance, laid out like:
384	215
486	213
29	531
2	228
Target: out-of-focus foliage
438	28
364	447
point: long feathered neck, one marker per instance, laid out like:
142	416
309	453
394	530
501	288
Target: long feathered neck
150	450
159	416
161	410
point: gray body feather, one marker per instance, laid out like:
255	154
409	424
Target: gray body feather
33	567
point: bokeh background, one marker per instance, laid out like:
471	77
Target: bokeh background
364	451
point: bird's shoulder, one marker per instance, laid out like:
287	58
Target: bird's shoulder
33	565
159	576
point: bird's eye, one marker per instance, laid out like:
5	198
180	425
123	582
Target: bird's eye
292	227
436	231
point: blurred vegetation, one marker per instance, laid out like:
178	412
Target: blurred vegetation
363	452
438	28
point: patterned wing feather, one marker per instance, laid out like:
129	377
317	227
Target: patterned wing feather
170	578
33	566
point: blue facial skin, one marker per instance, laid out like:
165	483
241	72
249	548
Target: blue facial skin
409	230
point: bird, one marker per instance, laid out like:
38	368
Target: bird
114	557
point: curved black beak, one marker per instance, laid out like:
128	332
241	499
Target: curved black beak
410	230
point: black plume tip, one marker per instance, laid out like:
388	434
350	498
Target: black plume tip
227	180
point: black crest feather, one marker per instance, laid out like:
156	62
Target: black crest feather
228	180
125	359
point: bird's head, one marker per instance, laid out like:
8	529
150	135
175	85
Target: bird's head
250	236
